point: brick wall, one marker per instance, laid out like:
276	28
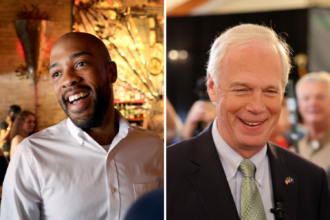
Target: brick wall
21	92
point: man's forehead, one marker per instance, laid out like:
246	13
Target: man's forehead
75	43
262	47
77	37
241	55
70	49
310	89
310	86
68	45
314	85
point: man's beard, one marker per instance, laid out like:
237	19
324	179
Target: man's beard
100	103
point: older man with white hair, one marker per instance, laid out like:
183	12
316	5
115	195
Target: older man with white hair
231	170
313	92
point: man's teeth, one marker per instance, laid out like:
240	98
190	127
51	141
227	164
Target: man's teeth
251	123
77	96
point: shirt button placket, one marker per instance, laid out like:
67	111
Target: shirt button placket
114	199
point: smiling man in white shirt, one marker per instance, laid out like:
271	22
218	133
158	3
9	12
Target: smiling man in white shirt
93	165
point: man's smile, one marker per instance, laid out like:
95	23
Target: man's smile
252	123
76	97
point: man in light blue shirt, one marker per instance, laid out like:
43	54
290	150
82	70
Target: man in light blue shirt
230	161
231	170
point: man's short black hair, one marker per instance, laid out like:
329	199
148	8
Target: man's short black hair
15	109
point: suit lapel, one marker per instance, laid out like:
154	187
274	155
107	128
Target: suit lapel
279	174
209	180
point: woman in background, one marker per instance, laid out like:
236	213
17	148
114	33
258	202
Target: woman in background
23	126
3	169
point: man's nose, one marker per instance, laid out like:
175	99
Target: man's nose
256	103
313	101
70	78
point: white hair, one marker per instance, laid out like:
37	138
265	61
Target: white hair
244	34
316	77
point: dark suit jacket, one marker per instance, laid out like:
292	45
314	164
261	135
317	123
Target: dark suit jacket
197	187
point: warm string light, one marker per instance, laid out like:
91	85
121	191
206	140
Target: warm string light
134	71
99	30
139	66
138	51
130	87
132	67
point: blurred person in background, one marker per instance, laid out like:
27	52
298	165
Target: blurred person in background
313	93
148	207
201	114
282	126
6	126
3	169
174	125
24	126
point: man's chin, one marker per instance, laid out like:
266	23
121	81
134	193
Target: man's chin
86	121
316	120
253	142
82	122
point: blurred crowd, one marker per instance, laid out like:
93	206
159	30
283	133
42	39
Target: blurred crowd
13	130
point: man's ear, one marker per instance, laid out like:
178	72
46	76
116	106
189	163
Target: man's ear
211	88
112	72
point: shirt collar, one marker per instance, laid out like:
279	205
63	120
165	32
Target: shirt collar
75	131
324	138
230	159
79	134
124	129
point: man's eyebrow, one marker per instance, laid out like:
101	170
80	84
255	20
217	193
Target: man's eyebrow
245	84
238	83
53	65
72	56
80	54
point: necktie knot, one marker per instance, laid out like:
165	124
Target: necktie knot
247	167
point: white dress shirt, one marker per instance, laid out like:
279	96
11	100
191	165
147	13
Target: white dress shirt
231	160
62	173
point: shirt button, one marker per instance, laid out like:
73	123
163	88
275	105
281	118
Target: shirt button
113	189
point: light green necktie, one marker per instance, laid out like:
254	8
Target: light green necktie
252	207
